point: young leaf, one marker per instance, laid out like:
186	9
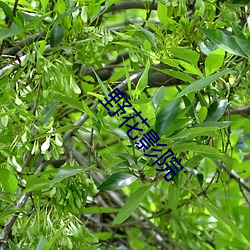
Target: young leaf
132	203
186	54
143	81
166	117
214	61
56	35
8	180
49	244
117	181
162	12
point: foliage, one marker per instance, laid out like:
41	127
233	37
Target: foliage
70	177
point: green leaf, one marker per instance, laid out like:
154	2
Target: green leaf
197	85
223	41
9	211
219	125
132	203
9	32
70	101
66	172
202	114
49	244
104	89
98	210
143	81
56	35
186	54
214	61
198	175
8	180
117	181
162	12
147	35
34	183
41	243
193	132
166	117
13	246
158	97
245	2
227	223
216	110
177	74
173	196
7	10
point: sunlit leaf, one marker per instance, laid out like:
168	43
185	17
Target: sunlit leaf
8	180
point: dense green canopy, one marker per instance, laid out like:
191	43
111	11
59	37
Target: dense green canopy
74	173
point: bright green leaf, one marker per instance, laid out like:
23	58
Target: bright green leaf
214	61
8	180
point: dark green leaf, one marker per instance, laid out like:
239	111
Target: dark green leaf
117	181
166	117
223	41
7	10
245	2
198	175
216	110
56	35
